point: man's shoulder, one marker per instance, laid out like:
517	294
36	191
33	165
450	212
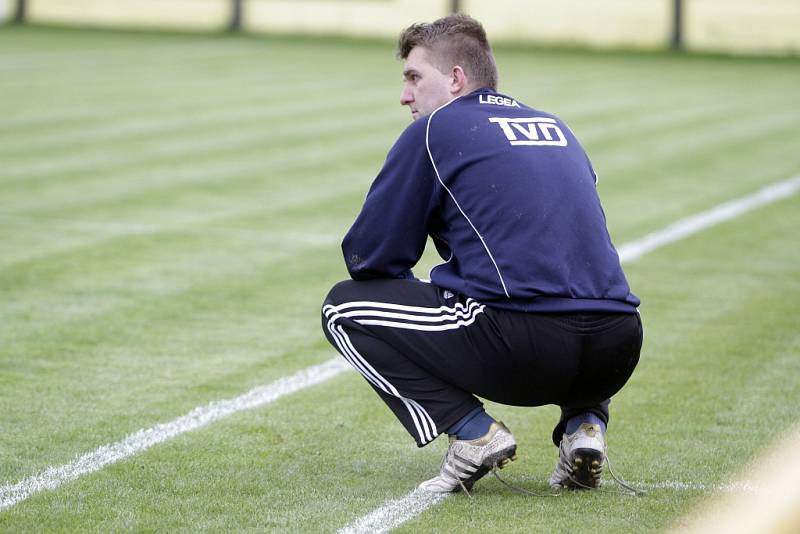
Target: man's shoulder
411	140
415	132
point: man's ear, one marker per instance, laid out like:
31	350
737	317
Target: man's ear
458	80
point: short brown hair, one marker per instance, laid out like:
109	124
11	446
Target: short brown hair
453	40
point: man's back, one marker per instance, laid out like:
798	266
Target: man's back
522	180
509	197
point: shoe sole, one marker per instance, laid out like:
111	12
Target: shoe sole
587	465
499	459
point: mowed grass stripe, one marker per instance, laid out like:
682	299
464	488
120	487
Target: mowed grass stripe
118	50
650	81
86	89
68	234
178	208
258	69
703	135
183	60
240	78
608	129
213	206
229	166
146	141
146	118
64	298
168	256
100	120
131	269
182	54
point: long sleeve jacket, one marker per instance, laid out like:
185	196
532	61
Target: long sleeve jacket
509	198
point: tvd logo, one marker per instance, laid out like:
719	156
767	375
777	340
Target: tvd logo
540	131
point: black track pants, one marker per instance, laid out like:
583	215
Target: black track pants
428	353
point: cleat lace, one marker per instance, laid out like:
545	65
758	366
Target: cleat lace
464	488
631	489
523	490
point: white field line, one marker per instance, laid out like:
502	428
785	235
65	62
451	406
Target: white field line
733	487
142	440
691	225
396	512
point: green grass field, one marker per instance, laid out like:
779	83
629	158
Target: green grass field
170	213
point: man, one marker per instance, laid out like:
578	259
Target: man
530	306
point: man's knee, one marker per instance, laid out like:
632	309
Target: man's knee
337	294
328	313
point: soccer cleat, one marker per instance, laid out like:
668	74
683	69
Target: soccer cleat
580	459
468	460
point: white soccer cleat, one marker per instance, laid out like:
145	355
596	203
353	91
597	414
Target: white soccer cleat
580	459
468	460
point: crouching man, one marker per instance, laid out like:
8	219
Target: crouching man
530	306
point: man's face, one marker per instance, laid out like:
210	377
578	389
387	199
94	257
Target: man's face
425	88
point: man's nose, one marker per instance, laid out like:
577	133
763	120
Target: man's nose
406	97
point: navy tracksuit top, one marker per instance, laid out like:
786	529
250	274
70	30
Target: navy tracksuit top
509	198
